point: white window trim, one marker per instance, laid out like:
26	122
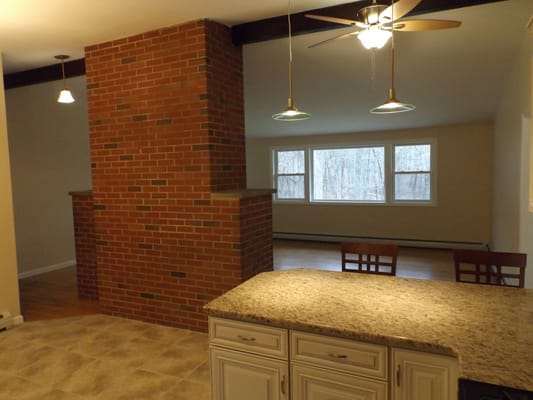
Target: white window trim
432	174
274	174
389	173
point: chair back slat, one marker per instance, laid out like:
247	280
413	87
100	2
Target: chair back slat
369	258
490	267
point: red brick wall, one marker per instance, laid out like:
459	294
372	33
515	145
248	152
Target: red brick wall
166	130
82	207
256	235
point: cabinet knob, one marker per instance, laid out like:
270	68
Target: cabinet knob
283	385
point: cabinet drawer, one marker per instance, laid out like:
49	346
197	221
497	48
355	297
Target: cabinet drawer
245	336
345	355
321	384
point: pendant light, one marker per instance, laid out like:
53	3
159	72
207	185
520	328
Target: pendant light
392	105
291	113
65	96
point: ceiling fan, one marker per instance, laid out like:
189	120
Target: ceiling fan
377	21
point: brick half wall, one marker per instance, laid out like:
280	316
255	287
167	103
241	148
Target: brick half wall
166	125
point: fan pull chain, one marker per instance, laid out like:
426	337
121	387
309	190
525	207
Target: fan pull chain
373	67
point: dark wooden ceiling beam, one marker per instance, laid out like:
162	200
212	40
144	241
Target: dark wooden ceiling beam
44	74
276	27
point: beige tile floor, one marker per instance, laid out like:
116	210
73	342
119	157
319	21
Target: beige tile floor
100	357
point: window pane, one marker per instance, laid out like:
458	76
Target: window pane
291	162
349	174
412	158
412	187
290	187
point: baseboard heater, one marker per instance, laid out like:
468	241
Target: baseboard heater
436	244
6	320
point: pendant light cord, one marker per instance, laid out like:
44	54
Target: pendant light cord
392	46
63	71
290	52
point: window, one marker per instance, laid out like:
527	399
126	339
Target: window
289	174
389	173
412	172
349	174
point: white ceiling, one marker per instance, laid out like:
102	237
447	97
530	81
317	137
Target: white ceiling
452	76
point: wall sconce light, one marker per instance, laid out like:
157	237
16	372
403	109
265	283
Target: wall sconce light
65	96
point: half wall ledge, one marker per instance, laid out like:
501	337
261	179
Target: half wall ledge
242	194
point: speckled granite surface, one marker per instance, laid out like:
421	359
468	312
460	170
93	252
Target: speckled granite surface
490	329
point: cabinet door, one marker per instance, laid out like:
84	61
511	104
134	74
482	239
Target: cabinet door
424	376
311	383
241	376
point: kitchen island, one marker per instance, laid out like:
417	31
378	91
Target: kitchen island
488	329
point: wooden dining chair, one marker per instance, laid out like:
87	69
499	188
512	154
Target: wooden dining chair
490	267
369	258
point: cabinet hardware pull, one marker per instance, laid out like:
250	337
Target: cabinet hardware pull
398	375
283	385
334	355
246	339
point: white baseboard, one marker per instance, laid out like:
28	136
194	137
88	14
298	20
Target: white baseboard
18	320
437	244
49	268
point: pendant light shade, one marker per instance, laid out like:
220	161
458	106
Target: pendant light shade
65	96
392	105
291	113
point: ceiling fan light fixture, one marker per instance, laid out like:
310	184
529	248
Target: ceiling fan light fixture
374	37
392	106
65	96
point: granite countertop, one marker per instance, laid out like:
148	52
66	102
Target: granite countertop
489	329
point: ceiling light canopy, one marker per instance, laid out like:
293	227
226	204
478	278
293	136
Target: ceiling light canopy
374	37
291	113
65	96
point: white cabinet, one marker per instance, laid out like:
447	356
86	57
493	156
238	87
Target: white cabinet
241	376
311	383
248	361
327	368
252	362
424	376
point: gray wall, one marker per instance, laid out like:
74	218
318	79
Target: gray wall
49	150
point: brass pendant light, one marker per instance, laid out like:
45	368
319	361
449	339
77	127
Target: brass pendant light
291	113
65	96
392	105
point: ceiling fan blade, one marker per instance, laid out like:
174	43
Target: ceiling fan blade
398	10
333	38
342	21
425	24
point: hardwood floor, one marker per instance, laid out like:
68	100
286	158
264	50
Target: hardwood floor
420	263
55	295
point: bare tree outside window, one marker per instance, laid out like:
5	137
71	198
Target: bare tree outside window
412	172
349	174
290	175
